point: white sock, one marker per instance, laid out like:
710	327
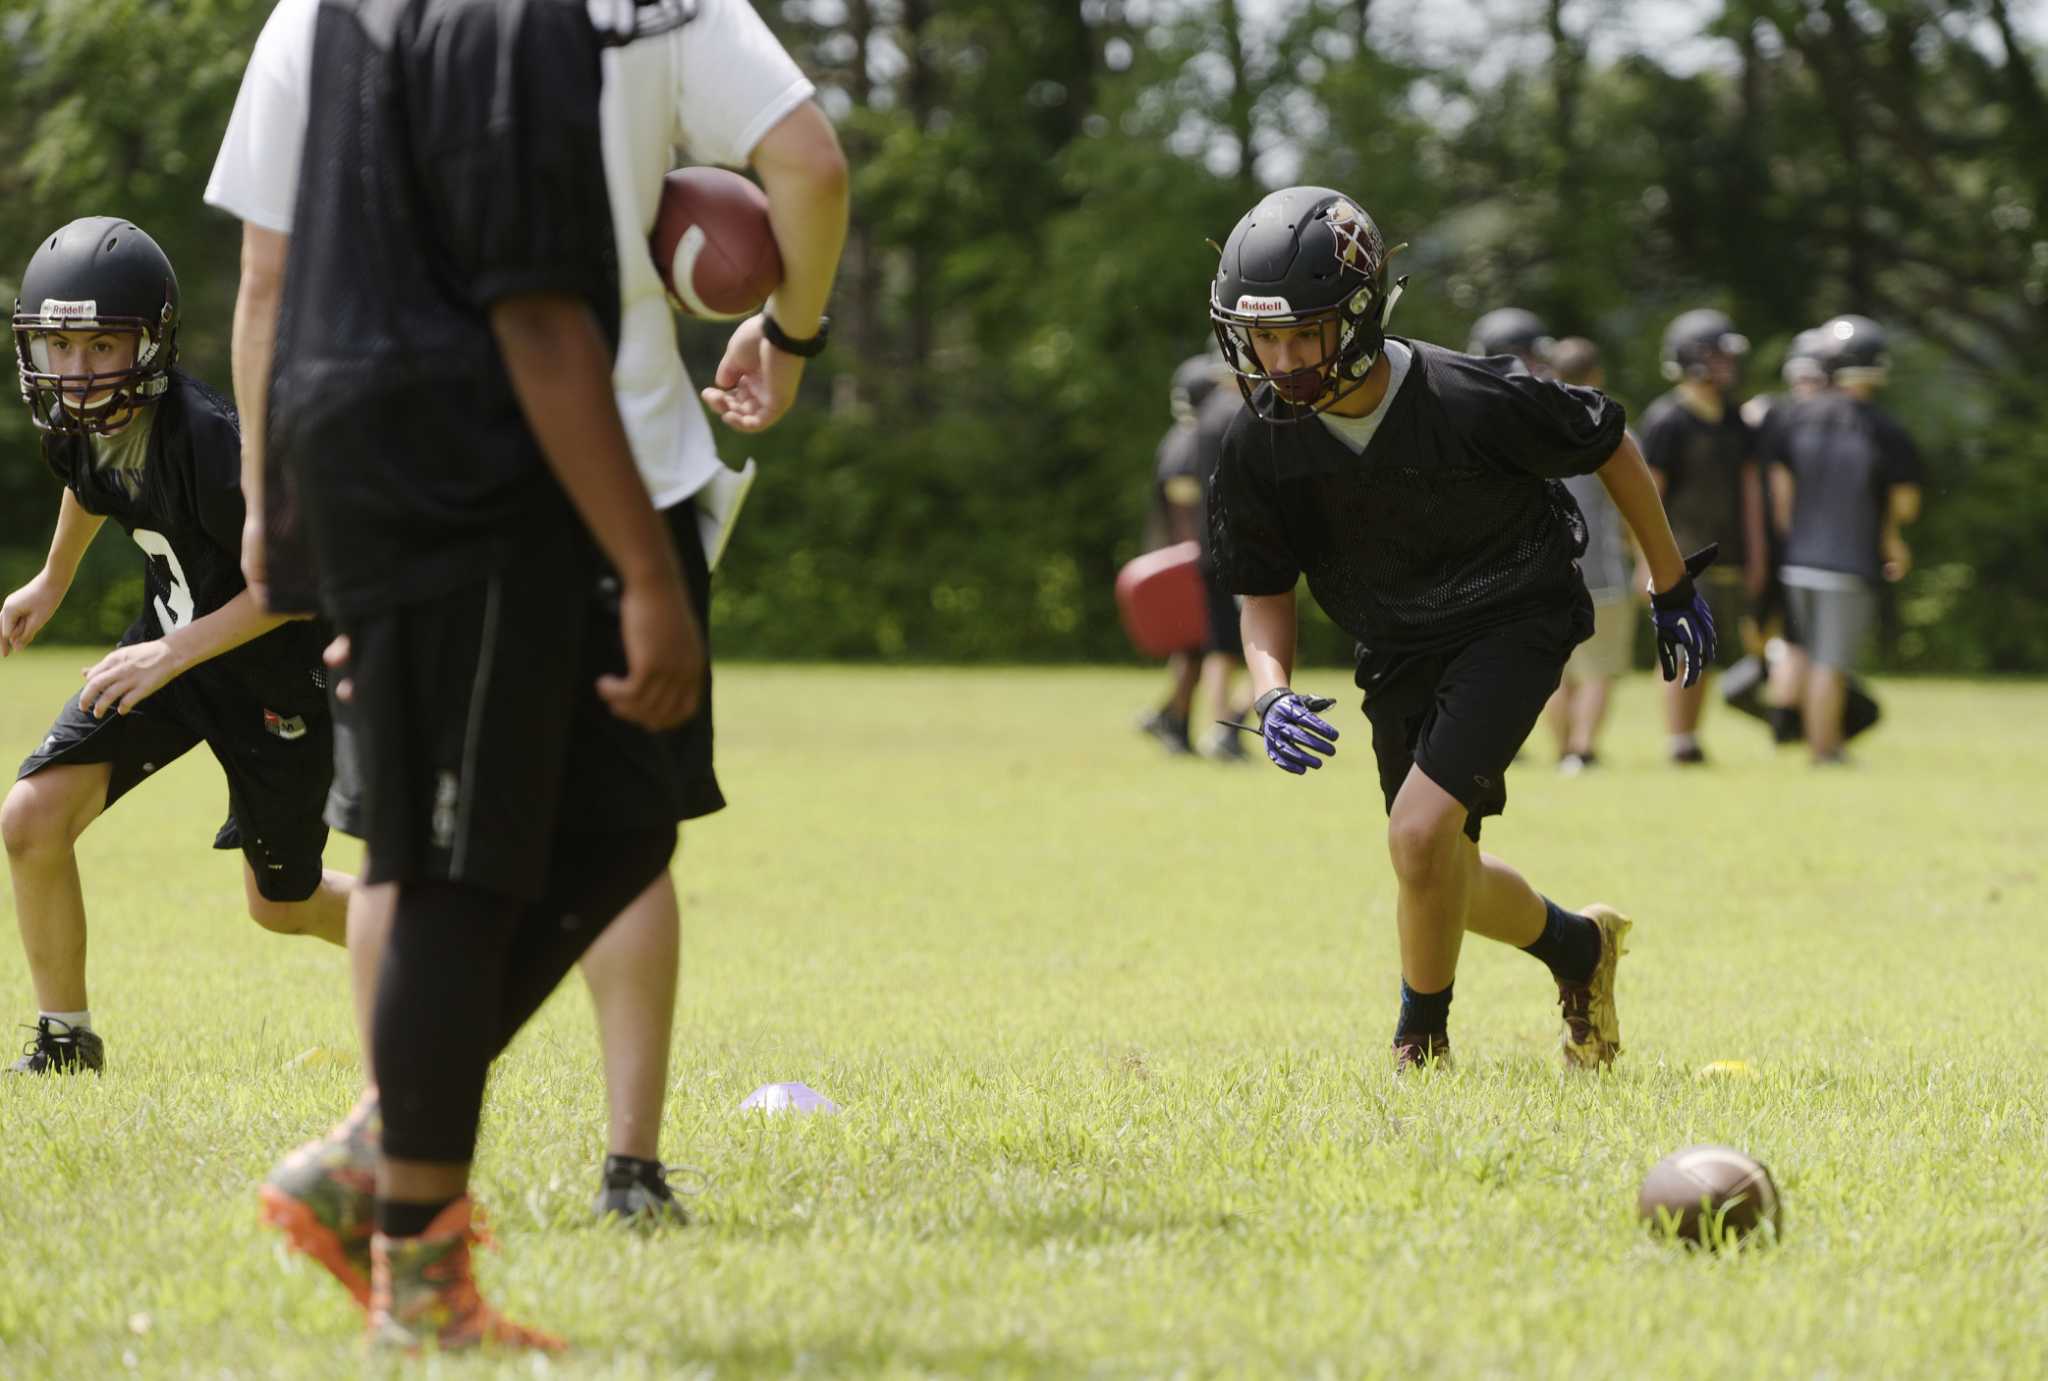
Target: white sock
1684	743
76	1021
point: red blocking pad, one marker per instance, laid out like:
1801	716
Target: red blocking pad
1159	596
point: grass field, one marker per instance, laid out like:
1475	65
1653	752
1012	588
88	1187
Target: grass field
1110	1033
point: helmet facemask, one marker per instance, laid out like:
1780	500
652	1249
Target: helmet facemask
90	403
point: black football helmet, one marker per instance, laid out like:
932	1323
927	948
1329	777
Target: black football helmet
1694	338
1302	257
1806	358
1512	331
99	274
1194	379
1858	352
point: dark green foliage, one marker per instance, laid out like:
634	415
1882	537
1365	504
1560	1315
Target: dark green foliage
1034	186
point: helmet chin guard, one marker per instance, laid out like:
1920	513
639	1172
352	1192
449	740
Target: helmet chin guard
1304	256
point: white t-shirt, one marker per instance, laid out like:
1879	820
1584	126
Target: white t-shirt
1357	432
712	88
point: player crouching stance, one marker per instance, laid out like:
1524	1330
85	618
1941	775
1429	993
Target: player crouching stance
135	439
1417	490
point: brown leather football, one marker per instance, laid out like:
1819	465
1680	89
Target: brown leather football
1709	1194
714	245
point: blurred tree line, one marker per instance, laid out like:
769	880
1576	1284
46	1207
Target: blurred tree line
1035	183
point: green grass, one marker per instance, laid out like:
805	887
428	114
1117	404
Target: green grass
1110	1035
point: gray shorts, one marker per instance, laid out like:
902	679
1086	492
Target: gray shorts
1832	625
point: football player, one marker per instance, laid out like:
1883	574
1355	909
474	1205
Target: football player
1515	331
1845	481
1186	459
1703	456
1416	490
725	90
1579	708
134	438
528	209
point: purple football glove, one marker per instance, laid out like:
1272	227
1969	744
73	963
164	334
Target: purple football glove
1685	626
1293	730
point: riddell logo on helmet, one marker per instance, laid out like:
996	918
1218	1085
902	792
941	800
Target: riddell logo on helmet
54	310
1263	306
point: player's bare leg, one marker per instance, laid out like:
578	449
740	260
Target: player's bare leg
41	821
1433	863
1557	714
1682	708
1588	713
370	910
631	973
1826	690
324	915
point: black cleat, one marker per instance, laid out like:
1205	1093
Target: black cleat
1418	1051
60	1049
1170	729
1694	756
637	1192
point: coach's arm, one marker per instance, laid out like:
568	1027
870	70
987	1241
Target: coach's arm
803	171
253	344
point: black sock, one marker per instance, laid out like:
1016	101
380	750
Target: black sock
625	1170
1569	944
396	1218
1424	1014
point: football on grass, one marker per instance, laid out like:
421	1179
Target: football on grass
713	244
1710	1195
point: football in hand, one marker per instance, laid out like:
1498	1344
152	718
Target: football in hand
713	244
1710	1195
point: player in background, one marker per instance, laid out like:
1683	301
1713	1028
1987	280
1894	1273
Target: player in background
1845	481
1704	459
1175	516
1415	489
134	438
725	90
1771	685
1579	708
1515	331
721	87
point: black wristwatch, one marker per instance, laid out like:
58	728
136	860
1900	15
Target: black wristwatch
790	345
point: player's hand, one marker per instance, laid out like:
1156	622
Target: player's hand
126	677
1898	557
26	611
664	657
1685	626
336	657
1294	729
254	571
756	383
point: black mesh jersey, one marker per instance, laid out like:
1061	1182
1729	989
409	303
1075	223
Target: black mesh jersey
1451	521
1844	456
183	507
452	160
1701	462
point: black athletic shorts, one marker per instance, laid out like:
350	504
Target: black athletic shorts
1224	635
475	734
276	758
1462	713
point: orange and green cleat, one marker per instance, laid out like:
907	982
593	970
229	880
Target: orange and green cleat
423	1291
322	1197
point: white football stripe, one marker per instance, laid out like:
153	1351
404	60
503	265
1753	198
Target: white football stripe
683	273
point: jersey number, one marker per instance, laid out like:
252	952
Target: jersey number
178	612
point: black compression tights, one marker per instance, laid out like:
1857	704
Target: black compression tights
465	968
